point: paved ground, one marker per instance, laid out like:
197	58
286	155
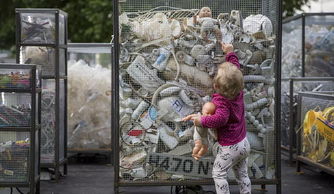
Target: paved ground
87	178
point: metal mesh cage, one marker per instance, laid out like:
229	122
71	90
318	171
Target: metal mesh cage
169	55
40	33
292	48
14	157
15	110
42	39
19	100
44	56
38	28
314	145
15	78
319	35
89	92
298	86
307	45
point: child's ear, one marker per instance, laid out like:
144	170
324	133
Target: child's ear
214	86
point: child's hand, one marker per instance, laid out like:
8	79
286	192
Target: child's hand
227	48
196	118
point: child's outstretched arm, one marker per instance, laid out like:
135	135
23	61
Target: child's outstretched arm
230	55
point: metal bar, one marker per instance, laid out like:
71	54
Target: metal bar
16	129
53	77
316	164
115	94
323	96
48	165
39	44
37	10
33	131
289	19
16	66
65	92
23	184
190	182
319	14
10	90
38	188
53	165
57	128
299	133
18	35
89	45
297	79
52	45
105	150
278	98
303	45
291	123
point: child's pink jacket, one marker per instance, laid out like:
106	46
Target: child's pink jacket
229	118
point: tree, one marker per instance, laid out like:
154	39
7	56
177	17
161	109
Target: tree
291	6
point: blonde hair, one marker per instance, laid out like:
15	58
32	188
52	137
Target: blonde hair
229	80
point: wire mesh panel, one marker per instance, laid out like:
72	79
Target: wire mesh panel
169	54
89	92
317	137
307	44
319	44
48	116
15	78
298	86
45	56
14	157
15	110
292	48
38	28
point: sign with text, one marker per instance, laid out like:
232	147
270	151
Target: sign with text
182	165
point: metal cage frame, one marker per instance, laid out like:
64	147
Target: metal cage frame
291	149
33	180
57	162
107	151
115	114
302	160
302	16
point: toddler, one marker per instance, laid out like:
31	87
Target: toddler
229	121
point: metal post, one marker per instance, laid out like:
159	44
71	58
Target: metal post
32	182
303	45
115	95
298	134
65	92
291	123
278	98
18	36
57	111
